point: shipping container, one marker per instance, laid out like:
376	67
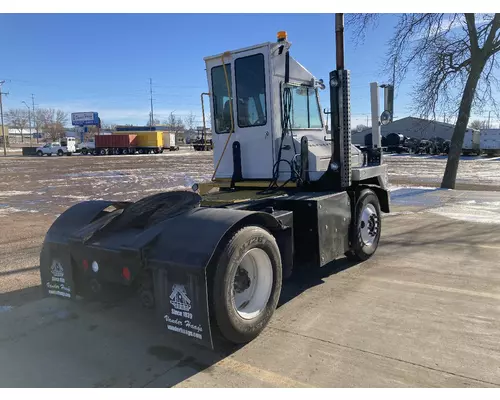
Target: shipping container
116	141
150	140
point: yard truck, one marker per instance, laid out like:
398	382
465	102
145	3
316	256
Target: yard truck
286	196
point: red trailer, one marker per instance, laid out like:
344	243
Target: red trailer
115	144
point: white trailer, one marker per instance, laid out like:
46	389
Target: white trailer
169	141
471	143
490	141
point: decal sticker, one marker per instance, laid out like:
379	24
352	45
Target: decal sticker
181	320
179	298
57	285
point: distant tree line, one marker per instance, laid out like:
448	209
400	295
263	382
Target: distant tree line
50	121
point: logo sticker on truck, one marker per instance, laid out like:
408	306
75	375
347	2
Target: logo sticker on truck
180	319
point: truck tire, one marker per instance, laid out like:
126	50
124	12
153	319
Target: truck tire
39	153
247	284
366	227
102	152
85	152
60	153
124	151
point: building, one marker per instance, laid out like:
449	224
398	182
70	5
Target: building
412	127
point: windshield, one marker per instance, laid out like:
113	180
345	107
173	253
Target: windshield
305	108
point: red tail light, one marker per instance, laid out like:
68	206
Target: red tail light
126	273
85	265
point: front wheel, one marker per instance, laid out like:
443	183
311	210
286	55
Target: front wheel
366	227
247	284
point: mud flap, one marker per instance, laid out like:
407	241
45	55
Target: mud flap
56	268
184	305
56	271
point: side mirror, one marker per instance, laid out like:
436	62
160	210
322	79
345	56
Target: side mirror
388	114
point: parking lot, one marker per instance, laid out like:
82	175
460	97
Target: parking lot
423	312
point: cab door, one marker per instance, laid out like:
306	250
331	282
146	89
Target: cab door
248	98
253	116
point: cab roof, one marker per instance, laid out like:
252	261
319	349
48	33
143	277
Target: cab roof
254	47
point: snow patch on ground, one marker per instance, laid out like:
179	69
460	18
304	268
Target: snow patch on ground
4	211
471	211
71	196
5	308
14	193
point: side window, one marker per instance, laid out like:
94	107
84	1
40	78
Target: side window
221	100
251	91
305	108
314	110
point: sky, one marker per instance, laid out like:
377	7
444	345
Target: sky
103	62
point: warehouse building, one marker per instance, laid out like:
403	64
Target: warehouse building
411	127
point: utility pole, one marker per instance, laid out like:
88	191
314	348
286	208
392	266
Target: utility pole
151	119
34	115
489	116
29	122
1	115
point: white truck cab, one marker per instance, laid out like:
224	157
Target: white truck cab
66	146
251	95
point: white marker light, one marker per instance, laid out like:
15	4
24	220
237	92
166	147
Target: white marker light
334	166
95	266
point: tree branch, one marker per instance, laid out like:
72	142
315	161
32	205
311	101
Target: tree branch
471	27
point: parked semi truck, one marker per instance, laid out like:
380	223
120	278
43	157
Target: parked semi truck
286	195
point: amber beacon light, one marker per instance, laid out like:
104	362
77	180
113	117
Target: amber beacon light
281	36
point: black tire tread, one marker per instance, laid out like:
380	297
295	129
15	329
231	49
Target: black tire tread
232	327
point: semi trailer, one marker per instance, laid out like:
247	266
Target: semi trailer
285	196
115	144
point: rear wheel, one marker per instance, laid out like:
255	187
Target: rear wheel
102	152
85	152
247	284
60	153
39	153
365	227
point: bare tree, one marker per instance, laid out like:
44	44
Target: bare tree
18	118
174	123
190	121
455	58
52	122
477	124
156	122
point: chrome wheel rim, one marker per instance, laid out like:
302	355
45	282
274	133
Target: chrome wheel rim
369	225
252	284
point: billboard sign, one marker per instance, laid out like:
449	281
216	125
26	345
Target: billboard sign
84	118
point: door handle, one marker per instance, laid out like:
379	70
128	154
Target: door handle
267	134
